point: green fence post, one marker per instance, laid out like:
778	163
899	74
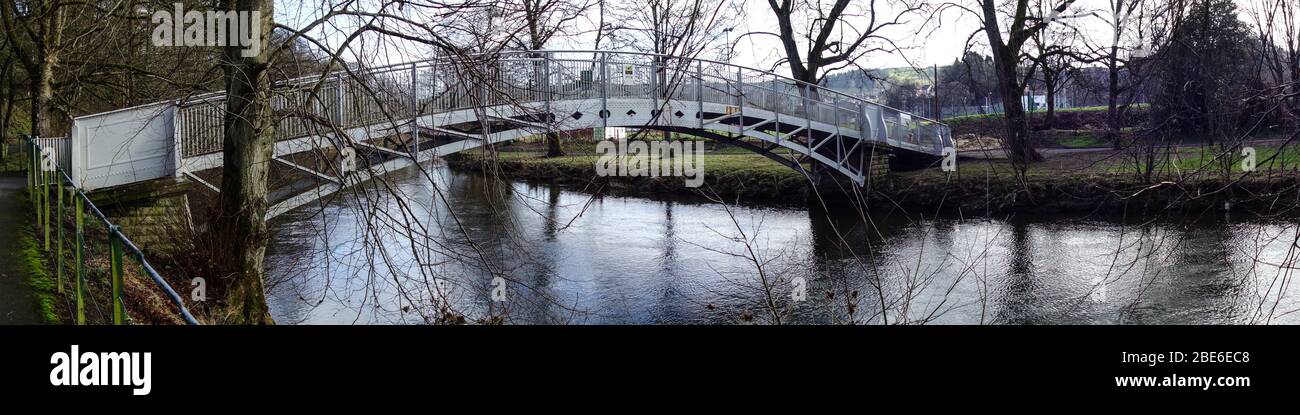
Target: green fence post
59	223
31	178
40	179
81	264
46	200
115	246
31	167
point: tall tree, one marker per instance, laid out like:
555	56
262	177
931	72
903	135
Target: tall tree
670	29
8	88
1053	54
1006	49
817	38
35	31
1206	71
1277	24
543	20
1132	29
247	146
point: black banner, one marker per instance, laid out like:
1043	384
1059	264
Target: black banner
322	364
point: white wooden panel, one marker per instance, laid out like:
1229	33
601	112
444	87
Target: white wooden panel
125	146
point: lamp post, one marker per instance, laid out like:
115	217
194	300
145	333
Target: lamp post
731	49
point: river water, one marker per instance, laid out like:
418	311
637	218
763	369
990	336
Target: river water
523	253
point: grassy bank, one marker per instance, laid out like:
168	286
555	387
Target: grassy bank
1059	185
729	172
43	285
11	153
1092	181
145	303
1071	127
34	265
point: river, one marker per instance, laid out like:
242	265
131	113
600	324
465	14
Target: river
524	253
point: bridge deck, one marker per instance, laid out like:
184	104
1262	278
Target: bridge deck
465	103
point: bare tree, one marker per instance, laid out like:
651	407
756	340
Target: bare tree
249	130
1121	17
818	36
685	28
669	28
544	20
35	30
1007	48
9	86
1277	24
1053	54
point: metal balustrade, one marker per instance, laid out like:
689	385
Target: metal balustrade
397	93
47	184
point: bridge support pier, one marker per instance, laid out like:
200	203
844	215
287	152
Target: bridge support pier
156	213
876	169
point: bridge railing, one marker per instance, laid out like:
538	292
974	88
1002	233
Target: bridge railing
59	204
396	93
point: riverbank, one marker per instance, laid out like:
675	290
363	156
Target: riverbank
51	296
1102	181
729	172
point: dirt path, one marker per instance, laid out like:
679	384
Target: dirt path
17	303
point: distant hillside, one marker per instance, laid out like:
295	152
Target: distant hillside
857	79
857	83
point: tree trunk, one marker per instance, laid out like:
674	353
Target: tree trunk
47	57
7	117
247	151
552	139
42	90
1005	57
1019	148
553	145
1112	105
1049	119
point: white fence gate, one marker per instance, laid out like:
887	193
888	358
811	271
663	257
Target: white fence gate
59	146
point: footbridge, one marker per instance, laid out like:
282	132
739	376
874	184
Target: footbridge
399	115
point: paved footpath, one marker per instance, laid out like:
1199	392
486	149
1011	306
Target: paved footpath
17	304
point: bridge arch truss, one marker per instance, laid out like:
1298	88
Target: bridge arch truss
446	105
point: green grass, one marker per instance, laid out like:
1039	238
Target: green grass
1082	139
18	127
1207	160
974	117
12	162
34	264
1087	141
728	161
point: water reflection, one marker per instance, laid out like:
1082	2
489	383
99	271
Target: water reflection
411	256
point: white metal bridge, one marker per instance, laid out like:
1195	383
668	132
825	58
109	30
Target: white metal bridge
402	114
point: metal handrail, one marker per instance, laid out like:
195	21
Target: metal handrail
438	60
354	96
115	231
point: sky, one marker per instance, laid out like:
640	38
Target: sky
923	41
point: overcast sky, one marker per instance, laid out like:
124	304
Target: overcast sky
938	42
